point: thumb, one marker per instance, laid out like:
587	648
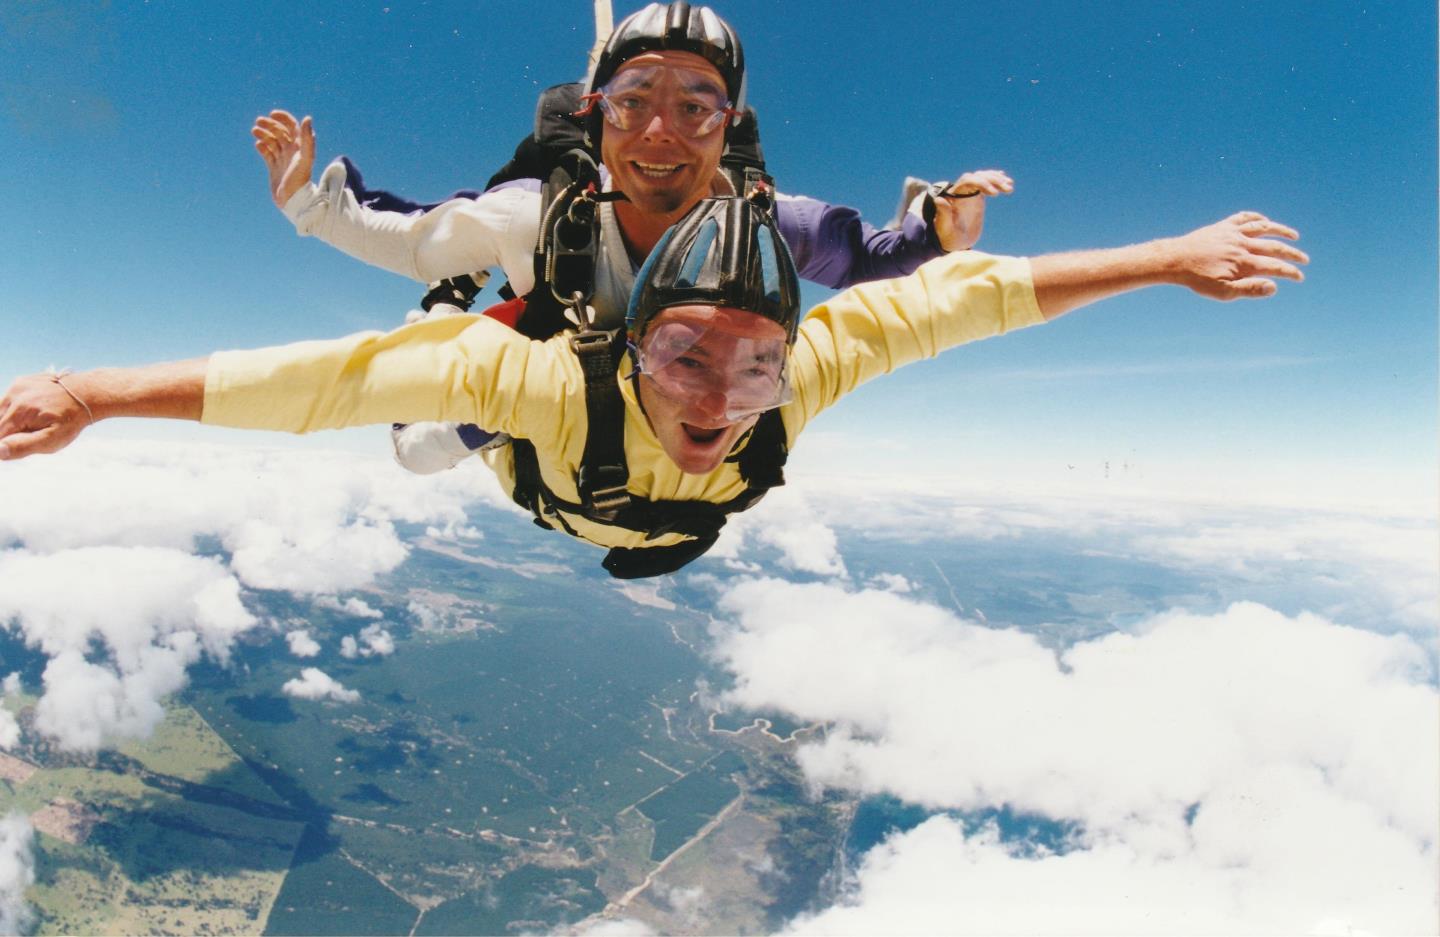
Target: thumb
1252	288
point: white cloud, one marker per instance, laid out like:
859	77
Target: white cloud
378	642
373	641
301	644
891	582
310	522
1366	567
315	684
17	872
426	617
688	906
786	522
120	627
9	727
99	578
1306	751
941	878
355	607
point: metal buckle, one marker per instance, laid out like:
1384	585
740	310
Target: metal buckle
605	499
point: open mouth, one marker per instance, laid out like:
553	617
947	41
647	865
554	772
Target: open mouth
701	436
657	170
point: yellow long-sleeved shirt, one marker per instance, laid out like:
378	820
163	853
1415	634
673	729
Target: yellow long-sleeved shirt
476	370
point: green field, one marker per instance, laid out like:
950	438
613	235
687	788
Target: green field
505	778
528	899
325	894
177	836
682	808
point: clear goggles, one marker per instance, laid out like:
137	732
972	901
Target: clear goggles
716	370
690	102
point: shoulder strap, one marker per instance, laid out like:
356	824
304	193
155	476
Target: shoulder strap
557	131
743	160
762	461
604	472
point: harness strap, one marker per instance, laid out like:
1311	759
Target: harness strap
604	472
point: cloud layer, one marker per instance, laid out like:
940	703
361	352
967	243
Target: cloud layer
1240	771
99	568
119	627
17	872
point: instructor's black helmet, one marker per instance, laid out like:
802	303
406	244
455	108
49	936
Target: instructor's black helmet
678	27
725	252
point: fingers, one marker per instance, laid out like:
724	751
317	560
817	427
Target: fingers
1270	267
280	129
1249	288
283	121
1264	227
1254	224
1277	249
1268	258
307	140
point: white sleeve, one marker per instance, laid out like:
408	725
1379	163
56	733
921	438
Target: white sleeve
427	448
498	229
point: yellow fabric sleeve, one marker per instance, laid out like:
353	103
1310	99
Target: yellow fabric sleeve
465	368
874	328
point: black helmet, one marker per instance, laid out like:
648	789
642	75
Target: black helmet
673	26
725	252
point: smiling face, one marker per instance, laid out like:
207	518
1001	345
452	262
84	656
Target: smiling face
664	171
689	403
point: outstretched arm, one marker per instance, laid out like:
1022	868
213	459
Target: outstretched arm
45	412
1236	258
872	329
288	148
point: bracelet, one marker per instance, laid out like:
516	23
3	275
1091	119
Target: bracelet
57	376
942	190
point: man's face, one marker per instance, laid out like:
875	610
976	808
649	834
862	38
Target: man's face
662	169
691	402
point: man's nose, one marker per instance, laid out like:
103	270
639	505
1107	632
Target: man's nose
712	405
658	127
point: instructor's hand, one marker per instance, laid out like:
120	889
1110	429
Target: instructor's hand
960	210
1237	258
37	414
288	148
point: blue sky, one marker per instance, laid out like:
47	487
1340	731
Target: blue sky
139	226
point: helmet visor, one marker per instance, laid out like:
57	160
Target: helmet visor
690	102
727	373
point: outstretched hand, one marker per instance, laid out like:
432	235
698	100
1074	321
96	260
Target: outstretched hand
1235	258
37	414
960	208
288	148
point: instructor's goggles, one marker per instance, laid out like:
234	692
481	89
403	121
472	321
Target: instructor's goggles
716	370
690	102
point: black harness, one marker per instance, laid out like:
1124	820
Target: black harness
565	257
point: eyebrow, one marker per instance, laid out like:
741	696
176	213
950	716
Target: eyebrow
704	85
